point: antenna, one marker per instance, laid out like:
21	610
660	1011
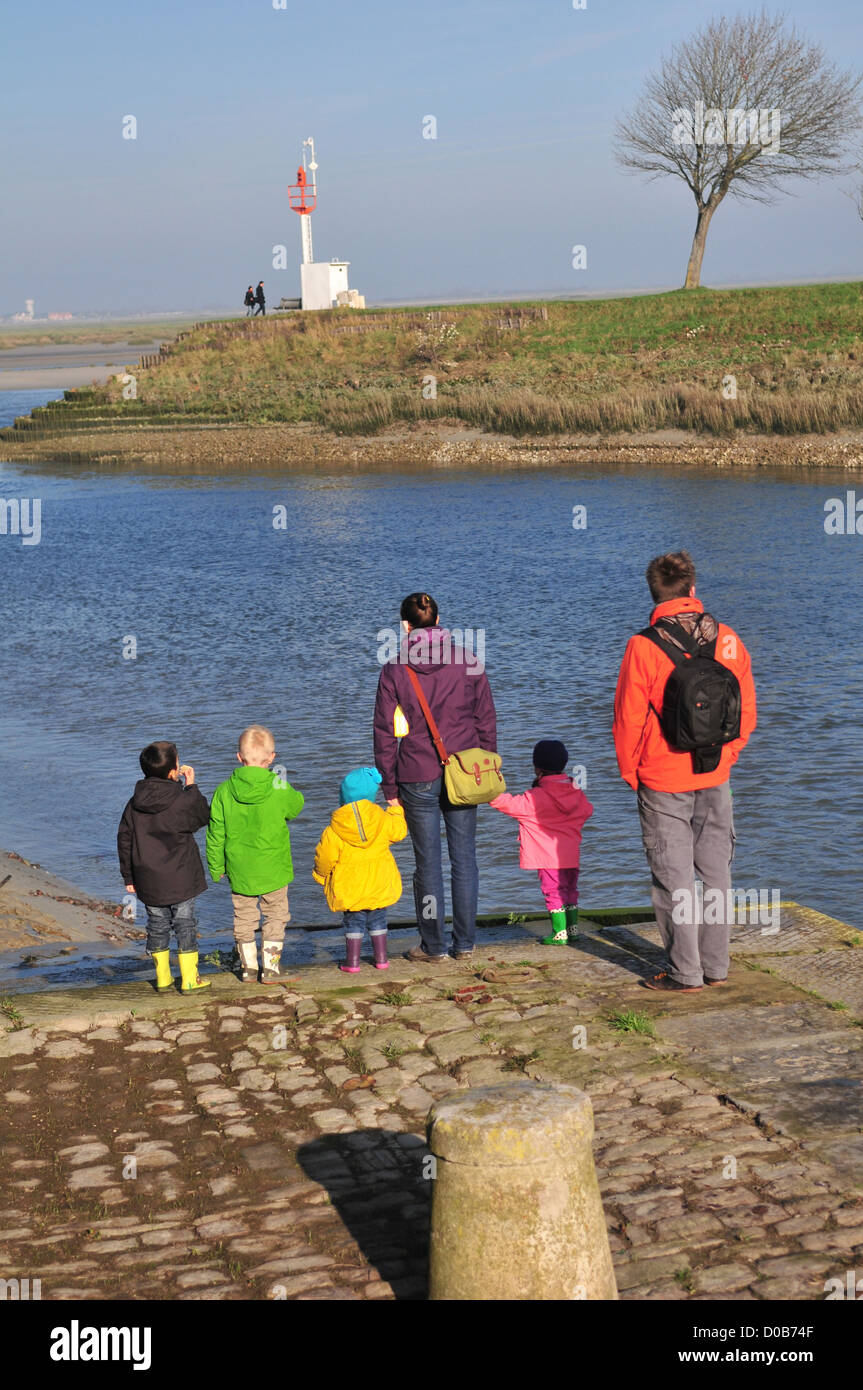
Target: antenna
302	197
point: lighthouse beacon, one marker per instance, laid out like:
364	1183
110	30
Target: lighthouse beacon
323	284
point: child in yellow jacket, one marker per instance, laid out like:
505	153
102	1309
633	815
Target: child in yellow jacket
355	865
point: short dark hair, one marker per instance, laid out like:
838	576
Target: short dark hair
158	759
420	610
671	575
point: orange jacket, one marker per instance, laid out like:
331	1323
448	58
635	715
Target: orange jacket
644	756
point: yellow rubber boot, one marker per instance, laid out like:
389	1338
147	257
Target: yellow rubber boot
162	962
191	981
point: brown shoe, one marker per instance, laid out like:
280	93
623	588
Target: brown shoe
419	956
463	955
723	981
664	983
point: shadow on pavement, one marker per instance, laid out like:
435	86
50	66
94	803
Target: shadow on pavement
375	1180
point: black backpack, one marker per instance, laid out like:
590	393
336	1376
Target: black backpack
701	701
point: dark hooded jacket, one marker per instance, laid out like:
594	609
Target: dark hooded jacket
156	841
457	689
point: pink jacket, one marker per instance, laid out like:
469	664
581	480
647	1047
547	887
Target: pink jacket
550	819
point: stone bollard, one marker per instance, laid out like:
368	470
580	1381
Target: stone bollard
516	1210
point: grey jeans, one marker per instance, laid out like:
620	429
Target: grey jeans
689	835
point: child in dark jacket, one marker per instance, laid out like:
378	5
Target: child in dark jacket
551	817
160	862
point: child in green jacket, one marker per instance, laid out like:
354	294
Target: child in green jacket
248	839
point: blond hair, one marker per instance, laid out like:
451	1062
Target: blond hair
255	742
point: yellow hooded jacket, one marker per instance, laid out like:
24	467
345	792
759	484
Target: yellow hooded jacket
354	861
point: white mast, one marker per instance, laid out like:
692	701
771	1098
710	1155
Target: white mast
306	221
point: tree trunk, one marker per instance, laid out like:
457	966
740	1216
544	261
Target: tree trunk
696	255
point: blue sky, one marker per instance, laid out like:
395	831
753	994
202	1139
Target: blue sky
525	96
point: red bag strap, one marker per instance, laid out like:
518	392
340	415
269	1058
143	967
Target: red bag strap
429	717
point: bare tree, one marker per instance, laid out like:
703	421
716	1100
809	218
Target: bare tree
856	195
739	108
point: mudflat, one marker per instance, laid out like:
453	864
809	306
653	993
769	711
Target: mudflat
39	368
37	907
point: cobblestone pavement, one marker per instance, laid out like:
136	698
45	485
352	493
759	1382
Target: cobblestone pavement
268	1142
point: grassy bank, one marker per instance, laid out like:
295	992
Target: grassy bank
610	367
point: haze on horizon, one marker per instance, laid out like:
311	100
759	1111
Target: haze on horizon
525	99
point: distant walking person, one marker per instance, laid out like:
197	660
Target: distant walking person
683	710
260	302
249	301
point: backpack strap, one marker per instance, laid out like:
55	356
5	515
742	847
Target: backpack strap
689	644
429	717
672	652
654	634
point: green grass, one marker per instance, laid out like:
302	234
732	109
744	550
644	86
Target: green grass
630	1021
8	1010
395	998
353	1059
392	1051
602	365
521	1060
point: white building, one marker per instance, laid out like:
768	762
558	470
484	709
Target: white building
321	282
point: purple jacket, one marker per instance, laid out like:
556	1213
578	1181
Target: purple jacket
457	689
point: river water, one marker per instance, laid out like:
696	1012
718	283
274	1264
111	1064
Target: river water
235	621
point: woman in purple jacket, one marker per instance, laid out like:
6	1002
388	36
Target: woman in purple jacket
458	692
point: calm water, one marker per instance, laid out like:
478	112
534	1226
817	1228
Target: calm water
238	622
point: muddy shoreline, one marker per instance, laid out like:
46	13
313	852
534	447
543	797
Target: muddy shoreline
37	908
290	448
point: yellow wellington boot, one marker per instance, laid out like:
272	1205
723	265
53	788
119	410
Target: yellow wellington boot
162	962
191	981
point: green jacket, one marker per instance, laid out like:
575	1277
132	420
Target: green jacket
247	837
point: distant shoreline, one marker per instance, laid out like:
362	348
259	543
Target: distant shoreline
60	367
282	448
745	380
38	908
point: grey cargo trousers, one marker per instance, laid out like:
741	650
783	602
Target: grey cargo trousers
689	835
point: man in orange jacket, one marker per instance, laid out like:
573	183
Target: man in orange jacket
686	820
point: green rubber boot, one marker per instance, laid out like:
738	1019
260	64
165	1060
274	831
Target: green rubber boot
571	922
557	936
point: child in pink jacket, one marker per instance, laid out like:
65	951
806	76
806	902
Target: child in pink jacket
551	817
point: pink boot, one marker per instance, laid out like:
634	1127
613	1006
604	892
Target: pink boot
352	947
379	942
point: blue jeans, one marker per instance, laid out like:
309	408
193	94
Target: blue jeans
181	918
424	803
370	919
